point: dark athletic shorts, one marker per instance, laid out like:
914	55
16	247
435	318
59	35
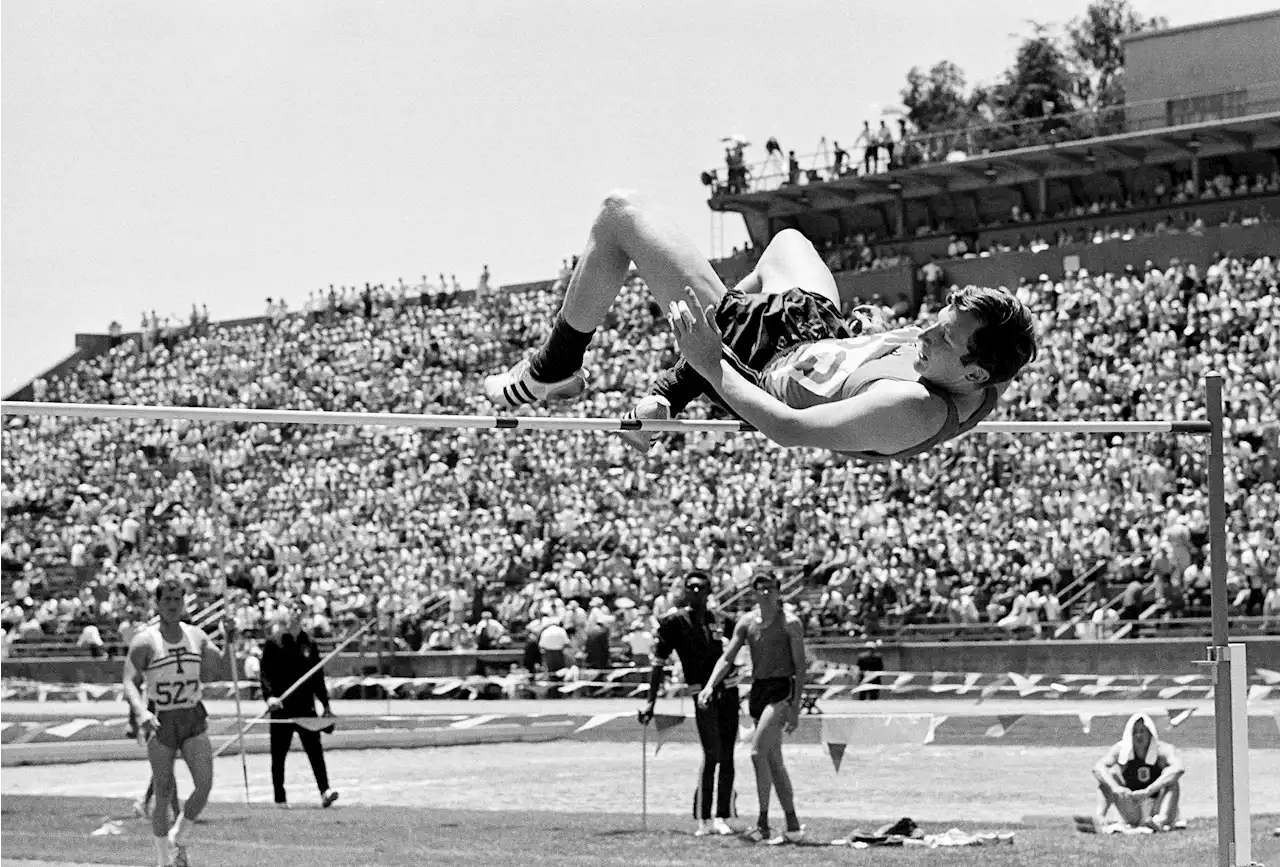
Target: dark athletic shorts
767	691
755	329
758	328
179	726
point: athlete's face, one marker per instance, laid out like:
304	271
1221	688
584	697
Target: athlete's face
170	605
766	592
1141	738
696	592
943	347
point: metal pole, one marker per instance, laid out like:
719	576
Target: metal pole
1219	652
216	487
296	684
644	777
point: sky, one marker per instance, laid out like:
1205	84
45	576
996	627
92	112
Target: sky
159	154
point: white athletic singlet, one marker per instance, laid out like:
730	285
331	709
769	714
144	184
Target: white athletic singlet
833	369
173	675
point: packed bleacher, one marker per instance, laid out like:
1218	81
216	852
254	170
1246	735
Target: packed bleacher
434	527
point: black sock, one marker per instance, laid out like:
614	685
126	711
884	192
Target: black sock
763	822
793	822
680	385
561	354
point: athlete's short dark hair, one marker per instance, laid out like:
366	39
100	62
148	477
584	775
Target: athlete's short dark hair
171	584
765	578
1005	342
698	575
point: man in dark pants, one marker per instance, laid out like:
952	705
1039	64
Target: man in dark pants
697	637
286	656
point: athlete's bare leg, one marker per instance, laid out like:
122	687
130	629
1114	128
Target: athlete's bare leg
161	759
627	229
765	741
1166	811
789	262
782	781
198	754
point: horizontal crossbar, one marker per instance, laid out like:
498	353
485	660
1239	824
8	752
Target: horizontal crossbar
512	422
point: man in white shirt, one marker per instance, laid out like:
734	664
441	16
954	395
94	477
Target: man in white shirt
130	529
552	642
91	638
639	640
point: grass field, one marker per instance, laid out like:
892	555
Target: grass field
58	828
578	803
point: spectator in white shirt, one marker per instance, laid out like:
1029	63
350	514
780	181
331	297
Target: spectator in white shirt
552	642
91	638
639	641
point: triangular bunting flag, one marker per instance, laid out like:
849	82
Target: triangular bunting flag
1001	728
664	723
598	720
1086	721
837	754
1269	677
1179	715
1258	692
934	722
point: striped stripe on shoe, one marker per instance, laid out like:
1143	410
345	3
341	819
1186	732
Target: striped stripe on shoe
517	387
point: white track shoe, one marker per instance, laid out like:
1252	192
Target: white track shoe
650	407
517	387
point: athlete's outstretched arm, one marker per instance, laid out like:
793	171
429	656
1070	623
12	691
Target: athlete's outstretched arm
889	417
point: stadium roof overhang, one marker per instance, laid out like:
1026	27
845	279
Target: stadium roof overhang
1125	151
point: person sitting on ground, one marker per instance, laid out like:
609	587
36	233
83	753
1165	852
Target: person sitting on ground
1140	776
775	350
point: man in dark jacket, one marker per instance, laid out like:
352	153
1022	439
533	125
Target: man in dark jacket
287	655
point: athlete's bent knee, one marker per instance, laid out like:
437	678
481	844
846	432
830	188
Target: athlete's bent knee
617	202
791	238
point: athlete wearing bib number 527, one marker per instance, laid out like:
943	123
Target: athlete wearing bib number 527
173	659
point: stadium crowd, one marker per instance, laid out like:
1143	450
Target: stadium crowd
434	528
